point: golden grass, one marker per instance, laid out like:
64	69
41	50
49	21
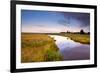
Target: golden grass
82	38
38	48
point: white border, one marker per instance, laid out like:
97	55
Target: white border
20	65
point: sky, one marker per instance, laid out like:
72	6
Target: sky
35	21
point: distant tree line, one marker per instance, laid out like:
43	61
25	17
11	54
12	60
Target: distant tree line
81	32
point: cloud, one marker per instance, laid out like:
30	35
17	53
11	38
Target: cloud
83	18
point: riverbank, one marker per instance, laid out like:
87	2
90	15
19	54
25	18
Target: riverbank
82	38
71	50
38	48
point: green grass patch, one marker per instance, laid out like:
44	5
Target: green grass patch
52	55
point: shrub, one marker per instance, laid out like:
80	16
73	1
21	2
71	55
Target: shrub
53	55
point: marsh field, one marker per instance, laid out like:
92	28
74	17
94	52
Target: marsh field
82	38
38	48
42	47
53	35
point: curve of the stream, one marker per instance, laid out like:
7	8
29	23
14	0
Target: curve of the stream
71	50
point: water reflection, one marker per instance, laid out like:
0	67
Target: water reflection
70	49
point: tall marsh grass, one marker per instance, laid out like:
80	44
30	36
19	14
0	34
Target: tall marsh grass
38	48
82	38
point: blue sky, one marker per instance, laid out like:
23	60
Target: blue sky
54	22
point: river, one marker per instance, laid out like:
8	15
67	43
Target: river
71	50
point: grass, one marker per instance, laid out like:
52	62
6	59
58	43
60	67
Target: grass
38	48
82	38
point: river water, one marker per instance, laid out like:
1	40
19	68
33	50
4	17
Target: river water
71	50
